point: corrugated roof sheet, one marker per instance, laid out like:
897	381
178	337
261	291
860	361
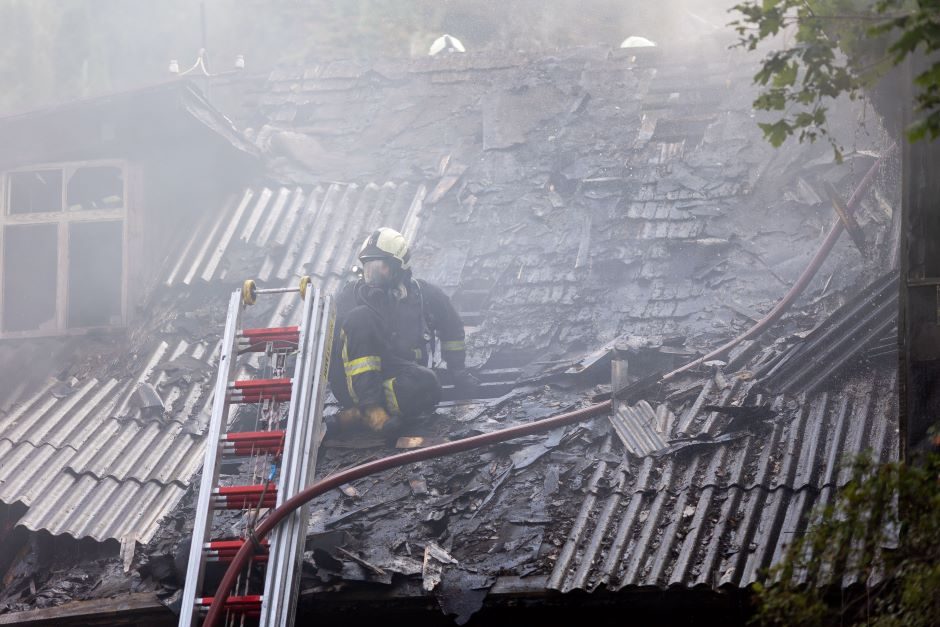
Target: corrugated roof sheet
83	458
640	428
716	514
88	445
743	469
841	341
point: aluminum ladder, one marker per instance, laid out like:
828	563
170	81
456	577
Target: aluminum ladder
289	450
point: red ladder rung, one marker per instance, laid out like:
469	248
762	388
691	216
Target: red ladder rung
254	436
240	604
223	545
244	496
281	337
258	390
260	385
225	550
253	442
244	490
245	503
265	332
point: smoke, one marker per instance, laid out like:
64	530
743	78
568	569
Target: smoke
63	49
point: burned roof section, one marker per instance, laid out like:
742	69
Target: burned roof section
865	328
740	476
567	203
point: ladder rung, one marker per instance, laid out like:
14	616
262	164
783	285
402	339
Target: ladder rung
265	332
253	442
225	550
242	490
243	502
248	399
223	545
257	390
247	604
225	559
244	496
260	385
281	337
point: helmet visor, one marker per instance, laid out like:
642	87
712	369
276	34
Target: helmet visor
377	272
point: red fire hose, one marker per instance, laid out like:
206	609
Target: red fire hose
780	308
333	481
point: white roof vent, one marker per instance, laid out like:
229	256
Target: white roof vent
446	43
634	41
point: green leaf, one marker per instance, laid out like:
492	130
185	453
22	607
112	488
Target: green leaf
777	132
786	76
839	47
917	131
773	100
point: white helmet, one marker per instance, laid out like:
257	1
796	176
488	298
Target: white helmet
388	244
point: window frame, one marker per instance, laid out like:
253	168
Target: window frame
62	219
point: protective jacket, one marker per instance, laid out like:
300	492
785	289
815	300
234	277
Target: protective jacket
384	340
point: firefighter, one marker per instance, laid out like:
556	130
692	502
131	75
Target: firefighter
387	323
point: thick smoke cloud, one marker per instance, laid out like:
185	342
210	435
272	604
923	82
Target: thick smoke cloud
63	49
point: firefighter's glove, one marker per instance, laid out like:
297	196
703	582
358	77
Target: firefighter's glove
465	384
376	418
348	419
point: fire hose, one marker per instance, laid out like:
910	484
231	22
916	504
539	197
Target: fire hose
334	481
804	279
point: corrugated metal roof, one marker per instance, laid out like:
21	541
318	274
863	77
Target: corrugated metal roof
742	469
840	341
277	236
640	428
83	458
70	461
715	514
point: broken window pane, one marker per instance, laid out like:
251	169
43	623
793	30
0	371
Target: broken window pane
95	187
30	259
95	259
35	191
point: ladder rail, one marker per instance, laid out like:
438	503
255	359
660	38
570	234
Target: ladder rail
201	525
281	583
275	584
311	449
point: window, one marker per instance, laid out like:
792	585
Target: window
62	239
38	191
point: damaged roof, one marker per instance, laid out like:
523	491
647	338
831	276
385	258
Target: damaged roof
165	112
107	455
566	203
720	503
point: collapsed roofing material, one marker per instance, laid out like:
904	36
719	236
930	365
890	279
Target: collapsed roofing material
742	474
640	428
432	551
720	515
845	222
840	342
563	215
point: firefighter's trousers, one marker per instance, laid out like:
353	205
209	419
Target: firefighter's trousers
410	389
